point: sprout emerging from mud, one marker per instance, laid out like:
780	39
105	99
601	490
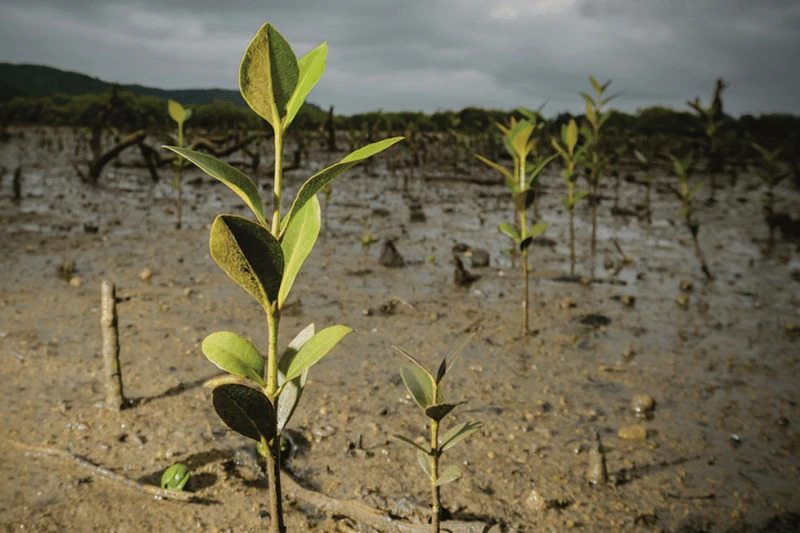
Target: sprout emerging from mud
180	115
426	389
570	158
595	159
264	257
521	142
683	168
770	175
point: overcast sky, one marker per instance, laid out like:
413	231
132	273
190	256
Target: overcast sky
432	55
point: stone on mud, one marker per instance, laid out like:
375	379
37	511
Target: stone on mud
390	257
635	432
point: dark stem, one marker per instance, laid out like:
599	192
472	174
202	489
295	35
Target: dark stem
273	468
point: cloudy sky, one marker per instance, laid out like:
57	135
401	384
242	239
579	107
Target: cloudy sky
431	55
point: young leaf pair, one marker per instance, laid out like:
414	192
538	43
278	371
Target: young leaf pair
426	389
180	115
571	155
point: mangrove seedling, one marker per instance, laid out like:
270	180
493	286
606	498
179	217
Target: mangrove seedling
175	477
570	157
367	238
770	175
180	115
427	393
645	160
520	143
712	123
264	256
594	158
683	168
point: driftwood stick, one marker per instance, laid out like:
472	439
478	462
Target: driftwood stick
108	322
108	474
363	514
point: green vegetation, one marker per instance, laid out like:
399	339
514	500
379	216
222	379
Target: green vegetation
175	477
570	158
520	142
180	115
683	169
427	393
264	257
770	175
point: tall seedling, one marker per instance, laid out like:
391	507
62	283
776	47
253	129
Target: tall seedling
520	143
427	393
594	158
712	123
180	115
570	157
770	175
265	255
683	168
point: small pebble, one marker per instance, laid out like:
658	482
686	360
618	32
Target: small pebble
642	405
536	502
635	432
145	274
566	303
682	300
75	281
686	285
629	300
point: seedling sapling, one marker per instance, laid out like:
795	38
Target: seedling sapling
570	158
594	158
683	168
770	175
519	142
264	257
645	161
427	393
180	115
712	123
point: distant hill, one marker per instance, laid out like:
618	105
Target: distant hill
38	80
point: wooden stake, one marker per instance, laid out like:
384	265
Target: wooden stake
108	322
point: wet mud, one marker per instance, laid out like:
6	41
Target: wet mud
690	385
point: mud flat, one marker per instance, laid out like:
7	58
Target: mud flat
718	449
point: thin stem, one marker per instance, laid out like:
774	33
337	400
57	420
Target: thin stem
436	509
273	320
523	224
274	475
278	183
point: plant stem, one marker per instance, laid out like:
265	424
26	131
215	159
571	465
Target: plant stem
115	399
523	224
436	509
594	188
571	197
278	183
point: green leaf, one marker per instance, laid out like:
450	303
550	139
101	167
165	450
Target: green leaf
438	412
459	433
292	390
310	66
176	111
571	136
442	371
537	229
523	199
249	255
244	410
450	474
589	100
519	136
511	231
579	195
567	203
535	171
596	85
233	178
525	243
297	241
319	180
419	384
696	187
268	75
640	156
412	443
315	349
591	116
501	169
424	461
560	150
234	354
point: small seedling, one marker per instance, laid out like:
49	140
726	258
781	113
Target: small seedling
570	157
427	393
770	175
594	158
180	115
264	257
367	238
644	159
712	123
175	477
683	168
520	143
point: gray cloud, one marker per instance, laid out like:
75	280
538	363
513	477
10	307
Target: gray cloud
436	54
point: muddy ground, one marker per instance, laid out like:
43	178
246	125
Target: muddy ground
720	452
